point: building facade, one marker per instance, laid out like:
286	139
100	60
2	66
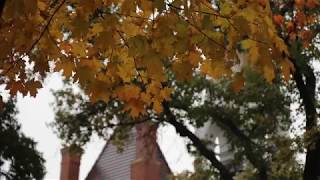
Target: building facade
141	159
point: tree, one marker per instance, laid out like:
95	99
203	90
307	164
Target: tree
114	46
256	121
19	158
124	49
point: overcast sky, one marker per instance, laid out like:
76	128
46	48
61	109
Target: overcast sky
35	114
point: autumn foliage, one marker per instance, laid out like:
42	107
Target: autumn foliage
125	49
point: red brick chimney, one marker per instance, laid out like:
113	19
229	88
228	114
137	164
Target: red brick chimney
147	165
70	164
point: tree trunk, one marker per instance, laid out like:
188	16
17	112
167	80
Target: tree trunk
2	2
306	84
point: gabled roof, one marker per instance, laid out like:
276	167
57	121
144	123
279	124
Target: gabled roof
114	165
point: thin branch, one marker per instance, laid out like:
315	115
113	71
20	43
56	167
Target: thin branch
128	15
46	26
55	43
198	11
13	64
7	176
134	60
199	30
217	15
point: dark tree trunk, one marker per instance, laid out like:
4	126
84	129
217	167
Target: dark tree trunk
306	84
2	2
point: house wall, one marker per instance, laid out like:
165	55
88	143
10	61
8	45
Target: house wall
113	165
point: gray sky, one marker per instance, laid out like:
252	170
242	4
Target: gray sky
36	113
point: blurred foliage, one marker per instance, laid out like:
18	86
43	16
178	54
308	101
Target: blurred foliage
19	159
77	119
256	121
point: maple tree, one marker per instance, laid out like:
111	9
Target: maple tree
124	49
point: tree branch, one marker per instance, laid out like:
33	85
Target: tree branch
46	26
201	147
251	149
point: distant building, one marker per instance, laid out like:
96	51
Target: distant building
220	145
141	159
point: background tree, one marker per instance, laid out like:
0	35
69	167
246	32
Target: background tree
19	159
256	121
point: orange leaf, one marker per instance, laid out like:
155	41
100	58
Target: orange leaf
134	107
286	69
15	87
290	26
237	83
128	92
299	3
33	87
312	4
278	19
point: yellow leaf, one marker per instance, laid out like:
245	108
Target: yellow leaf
97	28
194	58
42	5
153	65
67	66
280	45
146	98
128	92
80	26
154	88
99	90
268	72
227	8
134	107
87	70
215	69
157	106
126	70
105	39
252	49
286	68
183	70
79	48
165	93
128	6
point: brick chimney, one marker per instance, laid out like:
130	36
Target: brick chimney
147	165
70	163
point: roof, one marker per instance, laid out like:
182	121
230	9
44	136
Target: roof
114	165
